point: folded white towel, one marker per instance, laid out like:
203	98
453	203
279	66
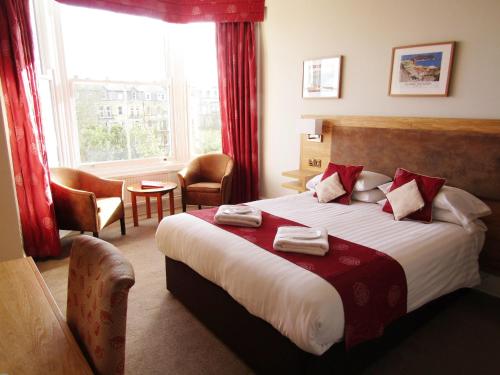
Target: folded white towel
238	215
312	241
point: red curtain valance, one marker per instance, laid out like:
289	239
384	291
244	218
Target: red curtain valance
182	11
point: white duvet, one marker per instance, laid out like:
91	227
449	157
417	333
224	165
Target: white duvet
437	258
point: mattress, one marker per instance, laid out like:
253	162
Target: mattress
437	259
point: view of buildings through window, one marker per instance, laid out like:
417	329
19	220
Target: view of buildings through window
204	119
122	121
128	77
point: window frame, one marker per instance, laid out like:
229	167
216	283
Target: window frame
53	68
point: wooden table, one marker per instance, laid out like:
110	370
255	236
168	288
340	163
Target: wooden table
158	193
34	337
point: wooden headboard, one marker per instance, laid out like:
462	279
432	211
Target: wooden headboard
465	152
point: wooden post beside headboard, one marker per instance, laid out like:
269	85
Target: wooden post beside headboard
464	151
316	151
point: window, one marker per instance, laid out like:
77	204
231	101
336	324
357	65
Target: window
120	104
202	96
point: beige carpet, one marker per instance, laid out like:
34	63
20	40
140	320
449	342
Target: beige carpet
459	336
162	336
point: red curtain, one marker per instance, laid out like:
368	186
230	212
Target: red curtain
238	104
182	11
29	158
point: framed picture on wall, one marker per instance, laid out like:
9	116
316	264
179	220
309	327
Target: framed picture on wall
421	70
321	78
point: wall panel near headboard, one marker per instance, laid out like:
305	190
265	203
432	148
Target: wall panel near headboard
465	152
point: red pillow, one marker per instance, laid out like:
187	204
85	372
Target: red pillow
428	186
348	175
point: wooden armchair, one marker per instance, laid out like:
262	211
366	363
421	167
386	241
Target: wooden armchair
86	202
207	180
99	281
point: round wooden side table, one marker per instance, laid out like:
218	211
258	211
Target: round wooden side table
158	193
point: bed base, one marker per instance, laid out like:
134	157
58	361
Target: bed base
251	338
265	349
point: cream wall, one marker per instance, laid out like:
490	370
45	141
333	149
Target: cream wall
364	32
10	233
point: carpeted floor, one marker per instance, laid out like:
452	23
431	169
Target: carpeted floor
457	335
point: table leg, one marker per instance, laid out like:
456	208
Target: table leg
148	207
134	209
171	198
159	203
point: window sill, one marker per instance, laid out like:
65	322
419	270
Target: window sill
133	168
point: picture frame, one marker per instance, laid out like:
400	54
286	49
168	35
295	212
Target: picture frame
321	78
421	69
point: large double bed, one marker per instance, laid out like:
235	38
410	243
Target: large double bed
278	315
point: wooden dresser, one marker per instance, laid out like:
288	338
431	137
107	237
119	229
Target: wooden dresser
34	337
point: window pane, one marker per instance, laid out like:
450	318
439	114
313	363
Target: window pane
49	131
203	96
118	68
204	119
129	76
110	46
122	121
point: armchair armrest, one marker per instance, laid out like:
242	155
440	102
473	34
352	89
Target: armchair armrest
226	182
75	209
187	176
101	187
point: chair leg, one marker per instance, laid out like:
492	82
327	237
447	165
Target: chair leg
82	232
96	234
122	226
199	207
183	207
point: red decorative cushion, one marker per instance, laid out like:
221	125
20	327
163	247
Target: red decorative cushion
348	175
428	186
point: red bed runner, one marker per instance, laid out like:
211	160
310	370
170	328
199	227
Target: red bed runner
371	284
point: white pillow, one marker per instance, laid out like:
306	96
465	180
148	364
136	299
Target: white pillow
405	200
369	196
465	206
439	214
311	184
370	180
445	215
330	188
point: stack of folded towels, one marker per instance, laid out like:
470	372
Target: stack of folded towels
238	215
312	241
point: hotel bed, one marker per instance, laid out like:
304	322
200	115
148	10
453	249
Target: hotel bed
279	316
437	258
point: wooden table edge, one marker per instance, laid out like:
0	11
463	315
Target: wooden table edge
163	190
